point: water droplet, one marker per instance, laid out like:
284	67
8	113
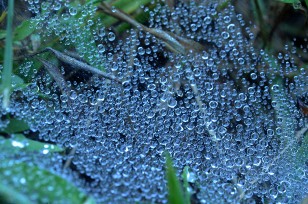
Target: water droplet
225	35
213	104
102	32
172	102
241	61
111	36
207	20
141	51
65	16
72	11
275	88
231	28
253	76
191	177
73	95
57	6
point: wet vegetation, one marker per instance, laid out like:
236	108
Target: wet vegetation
147	101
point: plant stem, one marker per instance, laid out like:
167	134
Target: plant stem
174	42
81	65
8	58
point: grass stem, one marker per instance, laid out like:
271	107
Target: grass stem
8	58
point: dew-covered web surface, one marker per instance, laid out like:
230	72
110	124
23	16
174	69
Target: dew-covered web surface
228	112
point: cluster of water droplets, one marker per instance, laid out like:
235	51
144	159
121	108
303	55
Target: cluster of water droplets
223	111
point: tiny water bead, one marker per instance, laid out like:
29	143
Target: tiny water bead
172	102
141	51
213	104
73	11
253	76
111	36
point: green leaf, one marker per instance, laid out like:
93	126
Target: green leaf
2	34
296	3
18	143
25	29
18	82
223	5
10	195
126	6
16	126
175	192
130	6
3	15
289	1
37	185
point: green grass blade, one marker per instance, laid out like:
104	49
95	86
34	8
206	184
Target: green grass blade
39	185
18	143
25	29
10	195
175	192
15	126
288	1
8	58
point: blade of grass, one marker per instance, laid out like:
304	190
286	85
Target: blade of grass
81	65
8	58
175	192
24	30
288	1
10	195
15	126
18	143
3	15
175	43
38	181
126	6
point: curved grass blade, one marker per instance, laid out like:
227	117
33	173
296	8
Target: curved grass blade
128	7
10	195
3	15
174	42
81	65
39	185
25	29
175	191
8	58
19	143
15	126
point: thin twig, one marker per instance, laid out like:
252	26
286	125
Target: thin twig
81	65
75	63
69	160
23	56
174	42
